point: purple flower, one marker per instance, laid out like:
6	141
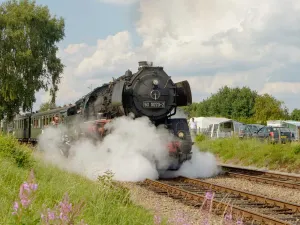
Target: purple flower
33	187
63	217
157	219
209	195
239	222
25	202
16	206
228	217
26	186
51	215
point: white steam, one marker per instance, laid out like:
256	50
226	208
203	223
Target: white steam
133	151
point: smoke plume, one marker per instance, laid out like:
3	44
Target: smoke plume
132	151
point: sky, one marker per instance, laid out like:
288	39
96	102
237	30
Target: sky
237	43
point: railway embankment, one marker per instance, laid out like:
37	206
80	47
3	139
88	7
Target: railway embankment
253	153
103	202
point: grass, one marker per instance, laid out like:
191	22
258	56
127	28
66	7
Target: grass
105	202
253	152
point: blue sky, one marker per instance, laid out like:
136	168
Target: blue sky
209	43
88	20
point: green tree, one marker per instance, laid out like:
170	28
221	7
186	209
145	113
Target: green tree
295	115
28	61
229	102
268	108
46	106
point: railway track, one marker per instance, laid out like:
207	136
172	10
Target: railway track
254	209
265	177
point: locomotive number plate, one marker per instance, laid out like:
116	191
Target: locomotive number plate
154	105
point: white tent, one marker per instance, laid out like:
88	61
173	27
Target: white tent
217	126
203	123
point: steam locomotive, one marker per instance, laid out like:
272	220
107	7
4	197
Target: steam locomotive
149	92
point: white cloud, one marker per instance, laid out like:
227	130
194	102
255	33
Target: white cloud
281	88
209	43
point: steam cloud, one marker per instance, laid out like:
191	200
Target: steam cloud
131	151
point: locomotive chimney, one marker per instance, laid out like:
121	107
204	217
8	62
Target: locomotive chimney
145	64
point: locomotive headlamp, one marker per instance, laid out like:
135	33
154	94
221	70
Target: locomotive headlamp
155	82
180	134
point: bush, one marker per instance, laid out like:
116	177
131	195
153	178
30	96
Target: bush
200	137
11	149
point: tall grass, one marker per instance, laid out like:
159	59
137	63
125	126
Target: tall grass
32	192
253	152
103	204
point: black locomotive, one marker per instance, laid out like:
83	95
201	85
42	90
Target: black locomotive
148	92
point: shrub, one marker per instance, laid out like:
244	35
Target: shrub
11	149
200	137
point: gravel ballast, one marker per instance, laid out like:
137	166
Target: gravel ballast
168	207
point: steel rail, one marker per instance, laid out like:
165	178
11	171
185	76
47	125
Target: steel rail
254	197
268	174
264	180
237	212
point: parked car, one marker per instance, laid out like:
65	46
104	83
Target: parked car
248	130
274	134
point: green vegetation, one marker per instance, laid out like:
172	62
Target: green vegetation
253	152
28	60
47	106
105	202
241	104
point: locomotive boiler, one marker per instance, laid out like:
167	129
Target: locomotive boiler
149	92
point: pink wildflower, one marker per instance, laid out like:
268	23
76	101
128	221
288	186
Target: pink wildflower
51	215
209	195
25	194
239	222
157	219
33	187
16	207
26	186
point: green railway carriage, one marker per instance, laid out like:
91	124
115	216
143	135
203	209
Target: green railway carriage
42	120
21	127
27	127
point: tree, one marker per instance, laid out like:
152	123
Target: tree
28	61
268	108
46	106
295	115
228	102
